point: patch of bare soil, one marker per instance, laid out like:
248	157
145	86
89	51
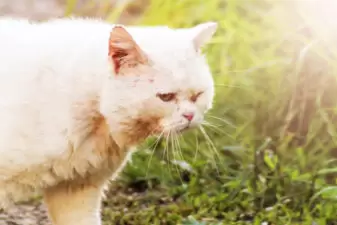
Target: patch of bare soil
25	214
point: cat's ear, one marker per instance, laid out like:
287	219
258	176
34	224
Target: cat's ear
203	33
123	50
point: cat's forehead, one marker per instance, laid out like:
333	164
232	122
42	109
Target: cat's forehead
163	41
192	74
173	56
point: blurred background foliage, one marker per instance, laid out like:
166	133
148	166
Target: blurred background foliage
267	154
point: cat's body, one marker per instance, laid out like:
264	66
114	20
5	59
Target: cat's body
77	95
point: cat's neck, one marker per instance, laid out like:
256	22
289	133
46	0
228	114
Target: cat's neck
130	133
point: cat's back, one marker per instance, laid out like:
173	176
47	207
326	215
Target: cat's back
49	55
42	71
28	43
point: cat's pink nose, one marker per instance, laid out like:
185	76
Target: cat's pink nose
189	116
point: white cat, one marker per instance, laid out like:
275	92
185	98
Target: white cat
77	94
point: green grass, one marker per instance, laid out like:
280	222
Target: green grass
270	155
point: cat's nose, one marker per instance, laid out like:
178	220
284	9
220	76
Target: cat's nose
189	116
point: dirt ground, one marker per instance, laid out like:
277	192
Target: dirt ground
28	214
25	214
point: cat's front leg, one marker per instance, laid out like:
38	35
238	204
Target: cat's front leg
74	205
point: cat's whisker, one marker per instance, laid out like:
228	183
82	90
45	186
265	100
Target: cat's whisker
174	151
222	120
181	136
153	150
215	128
230	86
196	147
167	151
164	151
210	145
209	140
176	135
207	122
168	143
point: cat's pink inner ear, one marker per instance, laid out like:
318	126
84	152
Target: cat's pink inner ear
123	50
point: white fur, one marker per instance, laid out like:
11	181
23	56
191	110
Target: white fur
50	72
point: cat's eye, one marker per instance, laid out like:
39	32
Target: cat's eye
195	97
167	97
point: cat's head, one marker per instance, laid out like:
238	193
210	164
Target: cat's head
160	81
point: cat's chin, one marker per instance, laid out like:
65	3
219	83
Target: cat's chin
188	127
178	130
